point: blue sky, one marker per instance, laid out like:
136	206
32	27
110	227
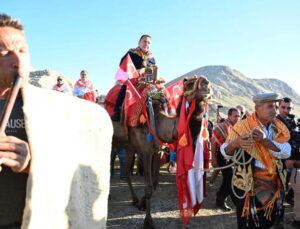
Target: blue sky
260	38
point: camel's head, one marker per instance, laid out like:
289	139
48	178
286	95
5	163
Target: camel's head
197	87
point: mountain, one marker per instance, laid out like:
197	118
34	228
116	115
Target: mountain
231	87
47	78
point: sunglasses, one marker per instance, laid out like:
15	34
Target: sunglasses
288	108
59	80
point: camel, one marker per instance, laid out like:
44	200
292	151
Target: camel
134	140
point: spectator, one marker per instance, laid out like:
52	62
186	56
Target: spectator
292	163
243	111
220	132
61	86
284	114
84	88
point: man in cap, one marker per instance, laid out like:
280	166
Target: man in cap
258	142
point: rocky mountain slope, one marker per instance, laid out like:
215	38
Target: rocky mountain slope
47	78
231	87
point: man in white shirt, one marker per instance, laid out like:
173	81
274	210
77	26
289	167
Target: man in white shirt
261	140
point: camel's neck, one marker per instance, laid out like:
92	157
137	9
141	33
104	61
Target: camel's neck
166	128
194	123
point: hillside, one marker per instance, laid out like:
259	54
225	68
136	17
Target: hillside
47	78
231	87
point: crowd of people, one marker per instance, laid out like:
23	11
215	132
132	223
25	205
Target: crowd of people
261	144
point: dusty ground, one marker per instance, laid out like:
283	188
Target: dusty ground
122	215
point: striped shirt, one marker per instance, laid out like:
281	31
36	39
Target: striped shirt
284	148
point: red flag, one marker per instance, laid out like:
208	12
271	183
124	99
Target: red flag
175	90
132	96
185	158
127	70
111	98
90	96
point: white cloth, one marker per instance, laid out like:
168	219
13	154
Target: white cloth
195	175
70	143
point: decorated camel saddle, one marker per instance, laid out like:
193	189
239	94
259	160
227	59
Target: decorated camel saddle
138	95
141	94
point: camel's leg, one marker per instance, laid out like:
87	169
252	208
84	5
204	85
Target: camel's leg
155	169
148	190
112	164
129	157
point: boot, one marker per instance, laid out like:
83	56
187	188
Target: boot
222	205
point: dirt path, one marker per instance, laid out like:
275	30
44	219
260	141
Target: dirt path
122	215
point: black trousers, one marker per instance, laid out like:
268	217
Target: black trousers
225	188
120	99
242	221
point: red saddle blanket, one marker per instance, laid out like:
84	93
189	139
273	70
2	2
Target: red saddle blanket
135	109
111	98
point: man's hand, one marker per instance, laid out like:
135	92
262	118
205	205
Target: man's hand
243	141
258	135
14	153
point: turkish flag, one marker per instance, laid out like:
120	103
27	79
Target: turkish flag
185	160
127	70
132	96
90	96
175	90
